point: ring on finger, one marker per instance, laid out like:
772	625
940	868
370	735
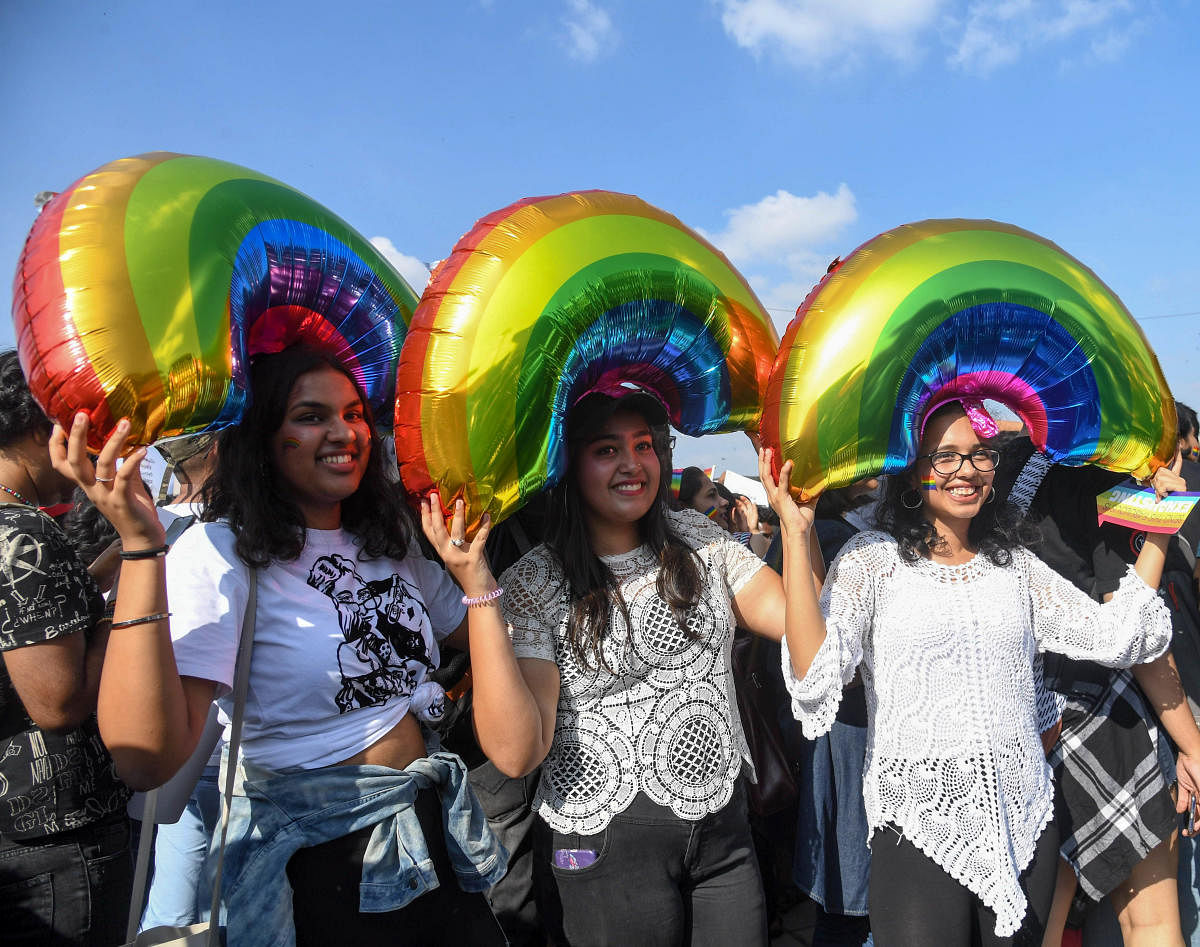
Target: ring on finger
458	543
105	479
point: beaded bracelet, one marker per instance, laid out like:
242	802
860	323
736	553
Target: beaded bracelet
483	599
155	553
144	620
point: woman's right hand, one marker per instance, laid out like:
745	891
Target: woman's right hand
118	494
465	561
793	517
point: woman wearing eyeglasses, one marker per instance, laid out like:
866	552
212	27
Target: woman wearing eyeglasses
945	612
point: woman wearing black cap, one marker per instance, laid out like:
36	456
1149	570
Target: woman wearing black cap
605	653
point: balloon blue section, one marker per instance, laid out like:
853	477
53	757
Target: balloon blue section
1018	341
658	345
289	263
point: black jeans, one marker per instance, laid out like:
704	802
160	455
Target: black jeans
71	888
915	903
660	881
325	881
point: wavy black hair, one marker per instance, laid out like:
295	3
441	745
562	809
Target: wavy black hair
246	491
592	588
996	530
19	413
1187	420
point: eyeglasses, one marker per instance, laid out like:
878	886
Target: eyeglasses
947	462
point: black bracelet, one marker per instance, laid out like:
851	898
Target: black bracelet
144	620
156	553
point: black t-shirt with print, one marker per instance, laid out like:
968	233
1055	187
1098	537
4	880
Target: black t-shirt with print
49	782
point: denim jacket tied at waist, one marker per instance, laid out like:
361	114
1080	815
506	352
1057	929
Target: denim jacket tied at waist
274	814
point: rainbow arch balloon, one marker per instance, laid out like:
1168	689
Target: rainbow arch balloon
144	288
943	309
552	297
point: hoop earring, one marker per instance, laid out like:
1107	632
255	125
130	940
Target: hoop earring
991	495
916	505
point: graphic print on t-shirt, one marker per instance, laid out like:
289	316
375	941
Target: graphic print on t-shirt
384	623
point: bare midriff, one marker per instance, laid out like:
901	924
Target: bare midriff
396	748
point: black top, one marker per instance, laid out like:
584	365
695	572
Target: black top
49	782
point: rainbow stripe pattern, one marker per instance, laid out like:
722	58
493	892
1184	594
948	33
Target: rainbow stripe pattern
942	309
546	300
144	288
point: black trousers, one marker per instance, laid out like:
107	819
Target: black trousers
325	881
655	880
914	903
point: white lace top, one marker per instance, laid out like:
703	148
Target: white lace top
947	654
666	722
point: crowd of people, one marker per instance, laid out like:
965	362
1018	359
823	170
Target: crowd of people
548	731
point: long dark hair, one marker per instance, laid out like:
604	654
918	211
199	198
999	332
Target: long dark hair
593	589
19	413
246	491
996	530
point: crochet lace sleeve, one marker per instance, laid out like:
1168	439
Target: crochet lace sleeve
533	604
1132	628
848	604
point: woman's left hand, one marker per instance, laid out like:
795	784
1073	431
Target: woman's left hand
464	560
118	493
744	515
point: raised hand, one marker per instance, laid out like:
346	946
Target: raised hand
464	560
793	516
1167	479
118	494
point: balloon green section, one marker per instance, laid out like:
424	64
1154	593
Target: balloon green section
946	309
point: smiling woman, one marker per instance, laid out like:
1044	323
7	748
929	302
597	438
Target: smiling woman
604	655
347	627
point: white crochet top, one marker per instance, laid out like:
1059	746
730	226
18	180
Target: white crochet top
947	652
666	723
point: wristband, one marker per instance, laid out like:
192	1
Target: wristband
483	599
156	553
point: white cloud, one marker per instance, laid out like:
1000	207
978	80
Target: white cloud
783	244
996	33
816	33
783	227
415	273
979	36
590	31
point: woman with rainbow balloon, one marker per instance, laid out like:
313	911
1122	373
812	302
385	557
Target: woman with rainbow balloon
345	824
603	654
943	610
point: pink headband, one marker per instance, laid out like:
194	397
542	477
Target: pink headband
982	423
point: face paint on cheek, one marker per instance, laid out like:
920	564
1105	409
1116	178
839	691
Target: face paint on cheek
711	512
291	443
928	483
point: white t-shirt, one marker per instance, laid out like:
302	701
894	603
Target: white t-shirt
340	643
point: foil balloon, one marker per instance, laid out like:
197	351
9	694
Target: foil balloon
962	309
547	300
144	288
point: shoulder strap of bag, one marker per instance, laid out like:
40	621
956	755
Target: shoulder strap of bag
241	684
141	871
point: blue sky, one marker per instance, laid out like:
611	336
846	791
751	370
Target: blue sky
789	131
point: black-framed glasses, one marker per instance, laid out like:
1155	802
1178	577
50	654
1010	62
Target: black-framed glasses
947	462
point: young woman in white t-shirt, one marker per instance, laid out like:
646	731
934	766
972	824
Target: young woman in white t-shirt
944	613
348	620
603	655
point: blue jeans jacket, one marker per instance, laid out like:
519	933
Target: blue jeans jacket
273	814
